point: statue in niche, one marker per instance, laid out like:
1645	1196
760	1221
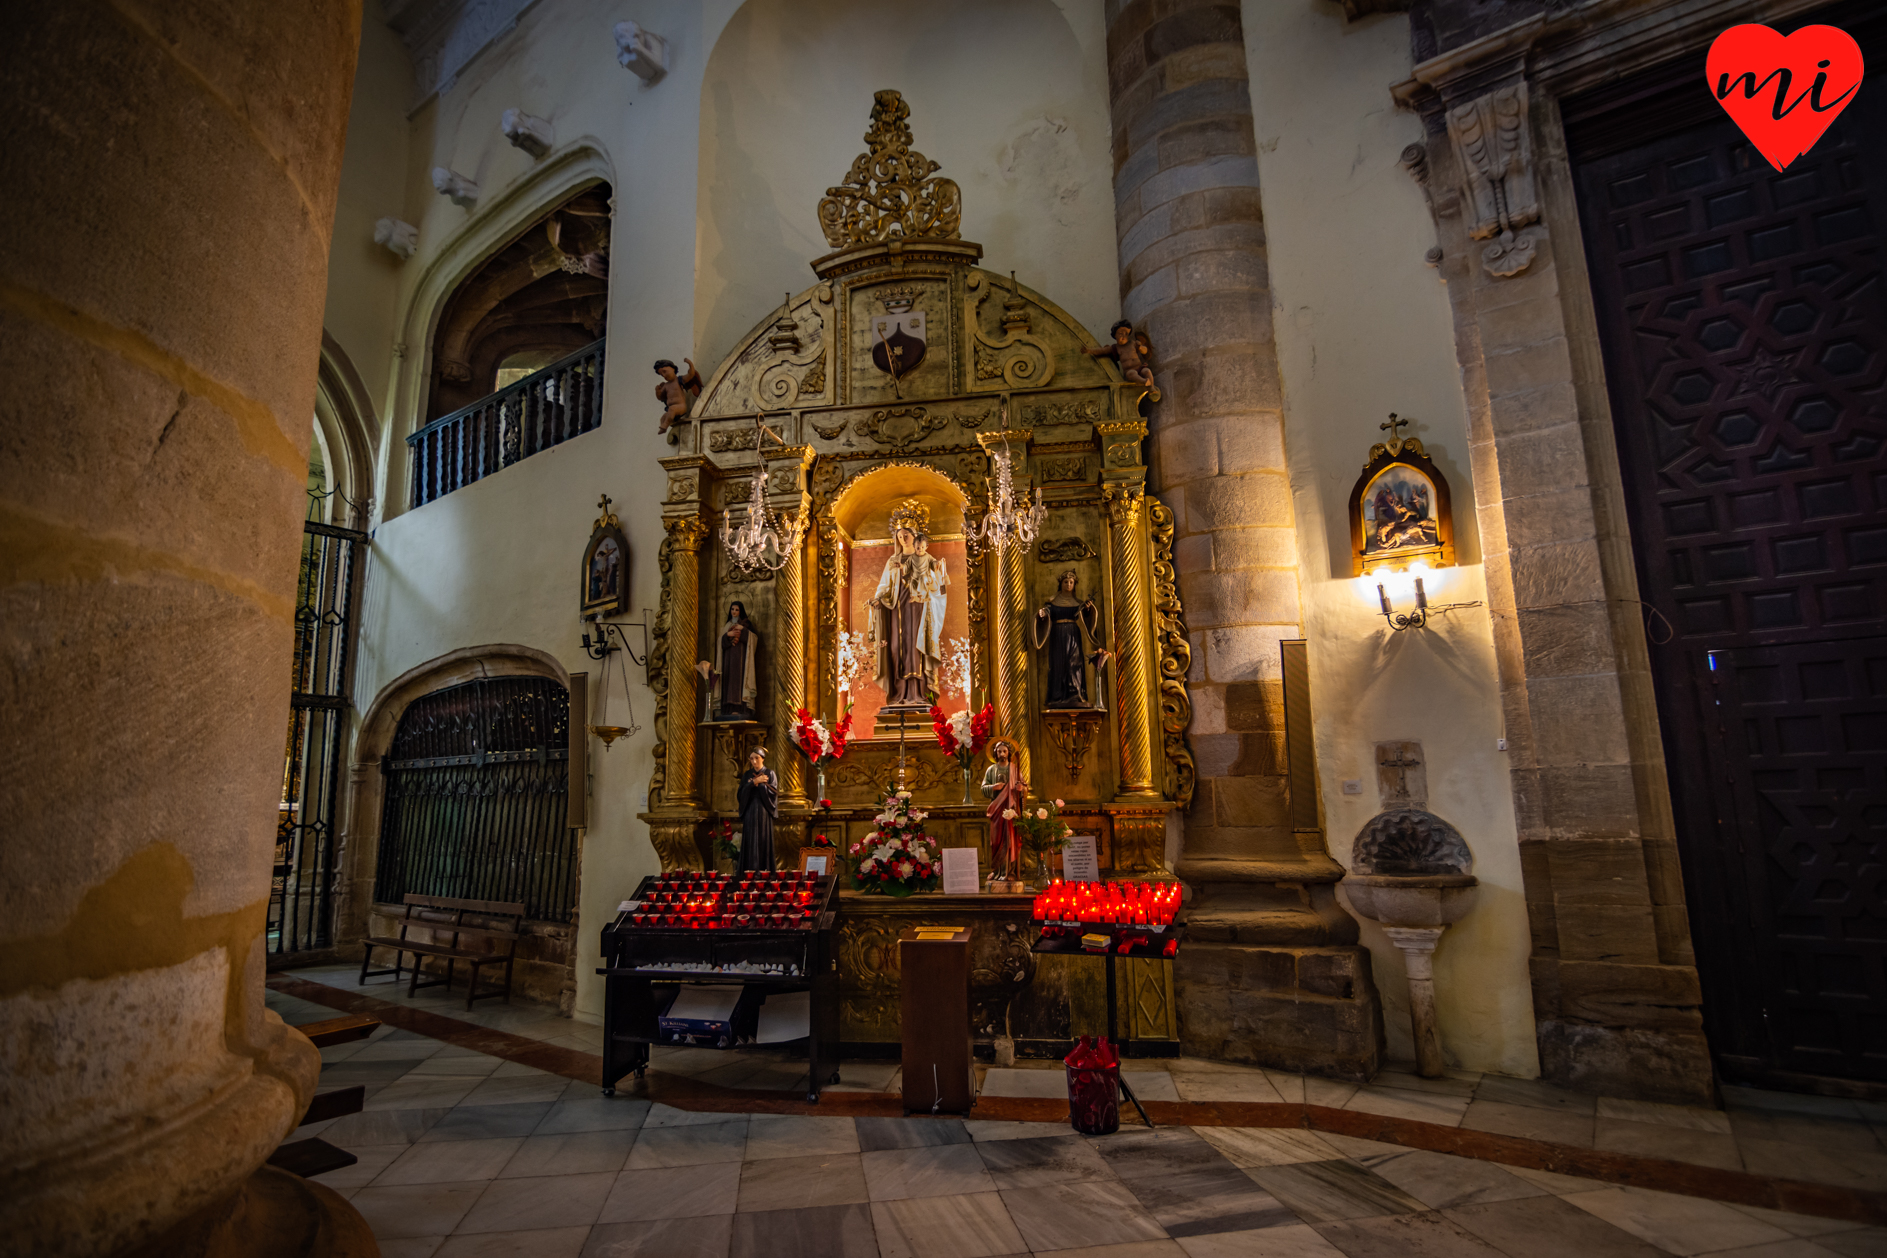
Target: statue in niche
676	393
1132	352
1069	628
1006	789
734	678
907	613
759	801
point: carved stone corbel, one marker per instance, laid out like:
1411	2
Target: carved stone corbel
1496	155
642	52
400	238
534	135
450	183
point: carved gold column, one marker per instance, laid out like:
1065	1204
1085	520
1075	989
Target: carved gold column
1012	613
1131	582
685	535
786	473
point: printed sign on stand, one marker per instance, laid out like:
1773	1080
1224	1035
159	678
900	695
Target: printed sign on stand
959	871
1079	862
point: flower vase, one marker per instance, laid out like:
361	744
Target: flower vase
966	783
819	777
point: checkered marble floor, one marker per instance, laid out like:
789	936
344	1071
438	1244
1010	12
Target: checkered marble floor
462	1153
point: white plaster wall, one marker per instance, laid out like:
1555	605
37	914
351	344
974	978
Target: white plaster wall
363	277
1010	97
1363	328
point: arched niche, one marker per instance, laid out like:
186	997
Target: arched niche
345	427
861	513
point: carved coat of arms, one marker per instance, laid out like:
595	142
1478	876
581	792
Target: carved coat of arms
897	335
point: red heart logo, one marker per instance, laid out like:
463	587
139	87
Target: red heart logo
1783	92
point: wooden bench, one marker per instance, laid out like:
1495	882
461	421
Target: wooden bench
500	924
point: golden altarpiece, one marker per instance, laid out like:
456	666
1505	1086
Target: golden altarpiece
891	381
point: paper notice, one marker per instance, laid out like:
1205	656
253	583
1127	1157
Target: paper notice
959	871
784	1016
817	864
705	1004
1078	860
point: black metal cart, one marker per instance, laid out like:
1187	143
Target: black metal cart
643	968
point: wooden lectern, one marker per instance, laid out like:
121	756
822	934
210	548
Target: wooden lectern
934	1020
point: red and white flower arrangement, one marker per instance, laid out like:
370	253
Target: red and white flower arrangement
963	734
897	858
818	743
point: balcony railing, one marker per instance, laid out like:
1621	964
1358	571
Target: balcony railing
536	413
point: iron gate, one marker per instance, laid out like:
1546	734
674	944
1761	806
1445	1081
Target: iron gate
302	890
477	794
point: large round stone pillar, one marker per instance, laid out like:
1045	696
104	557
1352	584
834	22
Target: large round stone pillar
1265	928
168	184
1192	267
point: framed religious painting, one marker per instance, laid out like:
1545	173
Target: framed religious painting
1400	514
606	566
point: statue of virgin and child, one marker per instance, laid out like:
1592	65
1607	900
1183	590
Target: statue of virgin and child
907	614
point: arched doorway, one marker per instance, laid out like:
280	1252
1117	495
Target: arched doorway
476	798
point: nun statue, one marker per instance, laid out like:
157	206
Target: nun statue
733	679
759	807
1067	627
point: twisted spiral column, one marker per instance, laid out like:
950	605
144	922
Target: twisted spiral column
1012	653
1131	621
789	678
685	535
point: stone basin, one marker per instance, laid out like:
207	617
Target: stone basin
1412	900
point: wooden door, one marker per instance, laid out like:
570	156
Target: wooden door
1745	335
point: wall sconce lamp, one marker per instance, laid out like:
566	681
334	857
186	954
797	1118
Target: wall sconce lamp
601	648
1399	621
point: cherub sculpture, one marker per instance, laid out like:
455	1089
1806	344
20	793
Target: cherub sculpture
676	393
1133	352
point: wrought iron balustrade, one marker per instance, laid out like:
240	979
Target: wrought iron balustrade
544	409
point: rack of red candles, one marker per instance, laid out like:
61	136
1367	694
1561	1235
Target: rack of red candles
754	900
1109	916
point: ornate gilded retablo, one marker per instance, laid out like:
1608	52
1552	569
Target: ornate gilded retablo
889	193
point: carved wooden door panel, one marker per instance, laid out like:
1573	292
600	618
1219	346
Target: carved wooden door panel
1745	337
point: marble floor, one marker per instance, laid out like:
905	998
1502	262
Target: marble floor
463	1152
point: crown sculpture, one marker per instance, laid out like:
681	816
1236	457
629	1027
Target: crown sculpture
889	193
913	515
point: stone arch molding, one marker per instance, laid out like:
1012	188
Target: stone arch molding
499	218
360	837
345	416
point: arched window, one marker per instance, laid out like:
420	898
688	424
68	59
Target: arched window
476	803
517	358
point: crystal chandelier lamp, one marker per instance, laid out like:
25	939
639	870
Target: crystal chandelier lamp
1009	522
765	539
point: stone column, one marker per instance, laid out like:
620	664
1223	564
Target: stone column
1418	957
1192	267
1267	939
681	589
1131	621
170	190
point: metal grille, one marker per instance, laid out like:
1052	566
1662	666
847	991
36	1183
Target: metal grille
544	409
302	887
477	792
